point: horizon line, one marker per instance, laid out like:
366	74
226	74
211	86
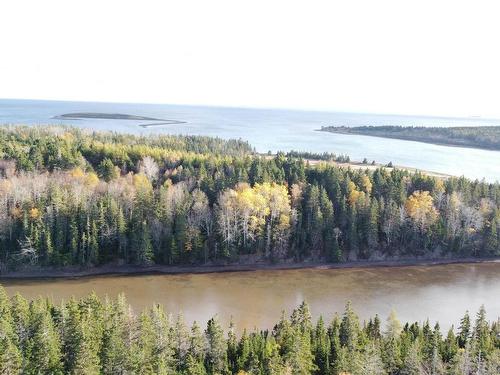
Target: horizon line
271	108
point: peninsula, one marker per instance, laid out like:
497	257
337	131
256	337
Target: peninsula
483	137
117	116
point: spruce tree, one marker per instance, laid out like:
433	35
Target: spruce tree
10	353
44	347
464	331
216	354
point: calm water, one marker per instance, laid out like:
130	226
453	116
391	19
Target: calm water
277	130
440	293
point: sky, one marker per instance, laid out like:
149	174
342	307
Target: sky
405	57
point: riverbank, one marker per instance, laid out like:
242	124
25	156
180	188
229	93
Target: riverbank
117	270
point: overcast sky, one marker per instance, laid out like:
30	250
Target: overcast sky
413	57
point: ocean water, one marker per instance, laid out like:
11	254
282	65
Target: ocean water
278	130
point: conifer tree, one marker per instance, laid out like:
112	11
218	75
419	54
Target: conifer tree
349	328
44	346
10	353
216	353
464	331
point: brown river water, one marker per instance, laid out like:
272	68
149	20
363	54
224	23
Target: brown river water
256	298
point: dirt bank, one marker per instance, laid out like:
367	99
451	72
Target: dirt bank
74	272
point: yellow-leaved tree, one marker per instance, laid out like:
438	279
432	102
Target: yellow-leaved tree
420	209
246	214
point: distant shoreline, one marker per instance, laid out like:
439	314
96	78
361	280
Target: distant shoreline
129	270
413	134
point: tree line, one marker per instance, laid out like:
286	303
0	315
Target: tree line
75	197
94	336
487	137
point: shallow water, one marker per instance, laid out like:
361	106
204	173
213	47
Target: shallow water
275	130
256	299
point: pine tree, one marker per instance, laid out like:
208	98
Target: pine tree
481	335
196	354
369	361
299	356
163	361
180	338
349	328
273	362
44	347
391	355
244	350
10	353
143	245
412	362
20	321
93	245
121	229
334	336
142	352
492	242
107	170
372	235
232	349
216	354
194	367
373	328
115	356
450	347
321	349
73	241
464	331
82	355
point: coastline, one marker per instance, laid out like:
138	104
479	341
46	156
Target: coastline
459	145
130	270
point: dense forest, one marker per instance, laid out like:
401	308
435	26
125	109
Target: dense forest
487	137
75	197
91	336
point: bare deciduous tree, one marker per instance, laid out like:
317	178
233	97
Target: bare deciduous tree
149	167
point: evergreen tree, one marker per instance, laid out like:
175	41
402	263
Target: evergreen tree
44	346
196	355
349	328
464	331
481	334
216	352
321	348
412	363
450	347
81	354
107	170
10	353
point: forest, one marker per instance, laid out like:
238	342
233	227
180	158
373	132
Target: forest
73	197
94	336
487	137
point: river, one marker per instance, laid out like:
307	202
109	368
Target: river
256	298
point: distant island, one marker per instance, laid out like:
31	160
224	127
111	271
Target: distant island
118	116
484	137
